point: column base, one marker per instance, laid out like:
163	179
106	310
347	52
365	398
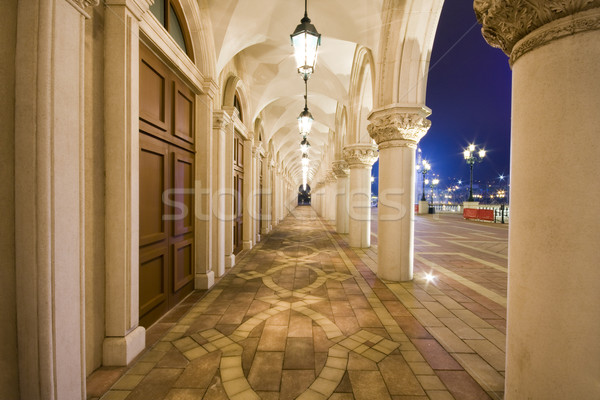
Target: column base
247	244
423	207
120	351
204	281
229	261
258	238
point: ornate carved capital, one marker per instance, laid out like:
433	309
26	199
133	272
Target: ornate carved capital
505	23
399	126
221	119
360	155
340	168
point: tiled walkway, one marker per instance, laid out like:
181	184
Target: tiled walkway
303	316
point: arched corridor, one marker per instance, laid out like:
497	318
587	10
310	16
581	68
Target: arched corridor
153	148
302	315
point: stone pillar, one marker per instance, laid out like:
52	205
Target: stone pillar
266	198
554	279
397	130
360	158
124	338
331	195
228	192
208	253
220	122
49	200
256	212
341	171
248	197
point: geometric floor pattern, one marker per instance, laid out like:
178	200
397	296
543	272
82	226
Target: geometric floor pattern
303	316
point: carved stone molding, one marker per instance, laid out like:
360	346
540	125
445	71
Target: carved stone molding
505	23
340	168
399	126
256	150
81	5
360	155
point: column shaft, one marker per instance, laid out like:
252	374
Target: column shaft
360	206
396	213
553	274
553	242
397	129
124	338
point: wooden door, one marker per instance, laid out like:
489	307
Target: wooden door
166	198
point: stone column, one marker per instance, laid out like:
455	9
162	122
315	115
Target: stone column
256	212
248	197
220	122
49	195
124	338
266	198
228	191
341	171
330	198
206	235
553	351
397	130
360	158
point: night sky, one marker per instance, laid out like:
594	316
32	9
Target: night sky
469	91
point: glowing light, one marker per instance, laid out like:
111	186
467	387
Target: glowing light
429	277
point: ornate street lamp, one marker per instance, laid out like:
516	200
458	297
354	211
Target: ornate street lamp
424	169
305	119
306	41
432	184
472	156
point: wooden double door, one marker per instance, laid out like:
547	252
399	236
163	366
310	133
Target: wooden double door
166	160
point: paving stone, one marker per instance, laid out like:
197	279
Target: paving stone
299	354
368	385
265	373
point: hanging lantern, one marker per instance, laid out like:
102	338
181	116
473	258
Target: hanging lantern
305	119
304	146
306	41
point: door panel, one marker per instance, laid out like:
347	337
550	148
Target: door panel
183	264
184	114
153	94
153	279
153	183
183	177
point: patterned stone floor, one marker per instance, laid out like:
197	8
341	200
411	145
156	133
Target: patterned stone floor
303	316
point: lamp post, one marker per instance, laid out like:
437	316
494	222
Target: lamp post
471	156
432	184
424	169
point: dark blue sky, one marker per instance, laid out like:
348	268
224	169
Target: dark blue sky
469	91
